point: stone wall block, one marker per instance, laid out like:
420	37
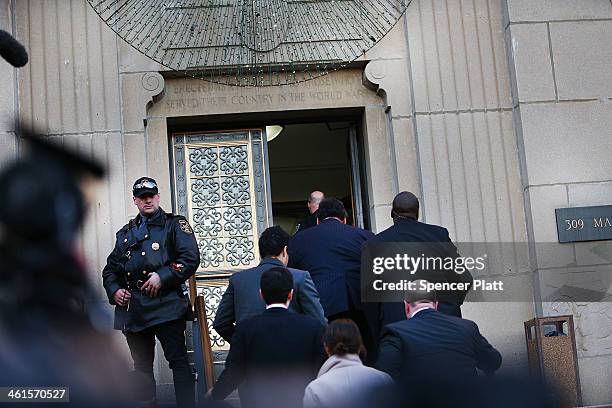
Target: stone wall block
550	10
583	59
158	160
70	84
543	201
378	157
567	142
533	63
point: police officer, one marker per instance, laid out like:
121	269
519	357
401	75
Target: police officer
155	253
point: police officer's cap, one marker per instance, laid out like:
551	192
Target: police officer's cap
144	186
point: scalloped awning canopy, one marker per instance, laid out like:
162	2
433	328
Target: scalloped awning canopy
251	42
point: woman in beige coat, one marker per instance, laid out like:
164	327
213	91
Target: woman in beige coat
343	380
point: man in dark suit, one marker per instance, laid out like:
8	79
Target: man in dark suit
407	228
275	355
241	300
434	357
331	252
314	199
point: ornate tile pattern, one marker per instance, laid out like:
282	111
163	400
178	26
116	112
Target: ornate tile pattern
212	292
220	187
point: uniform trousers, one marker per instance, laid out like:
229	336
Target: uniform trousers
171	335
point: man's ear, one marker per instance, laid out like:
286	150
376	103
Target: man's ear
407	309
290	295
284	256
344	220
318	221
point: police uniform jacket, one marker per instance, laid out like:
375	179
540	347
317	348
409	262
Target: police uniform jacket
166	245
308	222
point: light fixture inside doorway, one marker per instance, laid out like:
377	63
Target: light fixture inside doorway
251	42
273	131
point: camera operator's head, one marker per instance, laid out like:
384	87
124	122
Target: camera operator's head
42	209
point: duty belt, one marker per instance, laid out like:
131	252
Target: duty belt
135	283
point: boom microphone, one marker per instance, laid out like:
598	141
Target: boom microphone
12	51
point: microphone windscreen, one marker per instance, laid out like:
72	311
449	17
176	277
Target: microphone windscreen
12	51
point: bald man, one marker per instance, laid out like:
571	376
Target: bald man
407	228
314	199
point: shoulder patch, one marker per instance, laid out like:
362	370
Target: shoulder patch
185	227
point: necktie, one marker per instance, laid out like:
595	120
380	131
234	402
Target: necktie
141	231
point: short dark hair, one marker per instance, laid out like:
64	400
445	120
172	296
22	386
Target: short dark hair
331	207
342	337
275	284
272	241
420	295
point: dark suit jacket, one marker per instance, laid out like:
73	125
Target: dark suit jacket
272	359
434	348
241	300
331	252
410	230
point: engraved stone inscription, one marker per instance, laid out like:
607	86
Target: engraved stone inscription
187	95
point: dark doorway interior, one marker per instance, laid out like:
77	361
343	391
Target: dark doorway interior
307	157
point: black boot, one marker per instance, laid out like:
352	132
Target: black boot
144	389
184	388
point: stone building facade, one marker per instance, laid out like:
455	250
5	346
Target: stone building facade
495	112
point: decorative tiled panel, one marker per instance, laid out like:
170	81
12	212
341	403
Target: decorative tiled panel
203	162
235	190
220	184
213	291
234	160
